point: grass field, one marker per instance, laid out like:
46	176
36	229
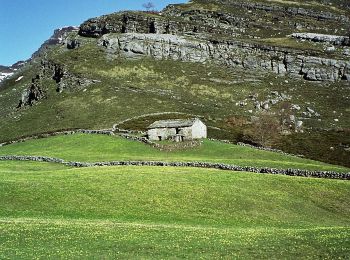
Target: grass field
97	148
52	211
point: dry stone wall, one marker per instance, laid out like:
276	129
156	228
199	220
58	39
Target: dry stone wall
220	166
67	132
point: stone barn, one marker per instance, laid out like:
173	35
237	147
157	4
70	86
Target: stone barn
177	130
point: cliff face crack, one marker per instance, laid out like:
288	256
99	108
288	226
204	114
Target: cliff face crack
58	74
285	62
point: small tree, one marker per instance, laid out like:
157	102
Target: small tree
149	6
265	130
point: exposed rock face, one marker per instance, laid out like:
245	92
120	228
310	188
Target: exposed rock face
63	78
33	94
59	37
223	18
332	39
73	44
296	11
228	53
219	33
128	22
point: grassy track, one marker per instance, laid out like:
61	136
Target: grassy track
150	212
93	148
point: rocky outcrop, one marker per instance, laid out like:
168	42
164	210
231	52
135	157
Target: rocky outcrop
139	22
236	53
269	16
209	34
59	37
73	44
316	37
32	94
208	30
275	7
64	80
218	17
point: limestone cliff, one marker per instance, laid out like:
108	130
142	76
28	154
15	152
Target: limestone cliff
232	53
246	34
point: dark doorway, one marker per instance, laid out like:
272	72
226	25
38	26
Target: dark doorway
160	138
124	30
167	29
152	28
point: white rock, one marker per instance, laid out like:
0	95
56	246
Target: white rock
292	118
330	49
310	110
295	107
19	78
266	106
299	124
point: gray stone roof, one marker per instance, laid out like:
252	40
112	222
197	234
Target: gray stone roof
173	123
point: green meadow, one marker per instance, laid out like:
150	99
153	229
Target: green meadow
97	148
53	211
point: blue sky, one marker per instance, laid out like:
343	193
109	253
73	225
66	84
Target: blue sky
26	24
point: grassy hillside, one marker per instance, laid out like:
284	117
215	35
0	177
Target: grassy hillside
128	88
145	212
95	148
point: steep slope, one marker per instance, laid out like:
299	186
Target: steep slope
225	61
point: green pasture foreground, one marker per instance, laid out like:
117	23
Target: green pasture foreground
50	239
97	148
53	211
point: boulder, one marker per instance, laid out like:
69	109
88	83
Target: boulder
73	44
